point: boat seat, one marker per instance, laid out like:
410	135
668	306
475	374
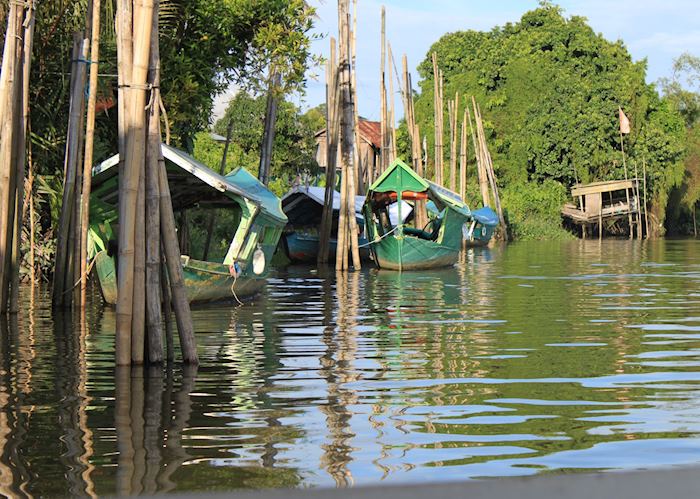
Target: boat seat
424	234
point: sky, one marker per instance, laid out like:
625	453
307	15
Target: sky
658	30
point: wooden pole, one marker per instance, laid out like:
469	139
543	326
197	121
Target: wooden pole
453	107
392	113
62	274
463	158
332	131
222	169
269	130
646	218
384	156
89	148
480	170
488	164
154	324
133	166
627	192
347	142
23	127
183	315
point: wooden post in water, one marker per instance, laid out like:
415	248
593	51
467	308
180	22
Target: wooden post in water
480	170
332	131
25	58
63	282
463	158
438	119
453	109
646	218
89	148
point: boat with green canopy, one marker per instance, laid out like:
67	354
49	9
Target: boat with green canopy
254	225
399	245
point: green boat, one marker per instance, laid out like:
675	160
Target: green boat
399	246
258	224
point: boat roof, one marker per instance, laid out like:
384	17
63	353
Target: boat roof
400	177
318	195
238	184
486	216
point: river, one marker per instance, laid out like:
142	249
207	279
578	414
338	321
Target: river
525	359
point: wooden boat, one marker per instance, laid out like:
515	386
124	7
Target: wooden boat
304	209
398	246
480	229
258	211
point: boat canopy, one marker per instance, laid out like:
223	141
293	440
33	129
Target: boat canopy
318	195
191	183
486	216
399	177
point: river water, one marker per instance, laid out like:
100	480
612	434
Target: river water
526	359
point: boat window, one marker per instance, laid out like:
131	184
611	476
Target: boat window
225	224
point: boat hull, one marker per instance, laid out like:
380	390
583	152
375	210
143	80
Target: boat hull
410	253
303	248
205	282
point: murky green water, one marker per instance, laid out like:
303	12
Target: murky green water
533	358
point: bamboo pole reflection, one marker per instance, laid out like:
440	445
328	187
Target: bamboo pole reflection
150	419
337	368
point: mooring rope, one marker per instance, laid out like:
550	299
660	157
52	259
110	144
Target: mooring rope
380	238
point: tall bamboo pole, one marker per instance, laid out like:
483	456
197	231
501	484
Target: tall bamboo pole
62	273
23	127
481	172
438	118
385	140
269	129
360	173
627	192
89	148
392	112
133	165
463	158
154	324
332	130
8	92
453	108
646	218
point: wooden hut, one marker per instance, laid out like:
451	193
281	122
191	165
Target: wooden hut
603	203
369	148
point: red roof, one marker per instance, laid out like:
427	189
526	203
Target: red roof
371	131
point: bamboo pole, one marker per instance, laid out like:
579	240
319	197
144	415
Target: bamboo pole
16	166
360	174
384	157
627	192
28	39
7	128
62	276
133	165
222	169
438	119
480	172
138	318
89	148
646	217
269	129
463	158
452	107
347	137
392	111
332	130
183	316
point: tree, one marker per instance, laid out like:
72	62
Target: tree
549	88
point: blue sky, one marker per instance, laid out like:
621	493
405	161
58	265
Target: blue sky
658	30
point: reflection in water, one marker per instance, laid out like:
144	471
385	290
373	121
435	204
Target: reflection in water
519	360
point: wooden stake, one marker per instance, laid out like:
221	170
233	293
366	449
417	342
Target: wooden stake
463	158
64	252
332	131
480	170
89	148
385	140
133	166
392	113
269	130
646	218
438	117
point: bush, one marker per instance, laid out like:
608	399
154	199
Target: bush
533	211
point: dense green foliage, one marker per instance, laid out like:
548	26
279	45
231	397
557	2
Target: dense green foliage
549	88
205	46
294	148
